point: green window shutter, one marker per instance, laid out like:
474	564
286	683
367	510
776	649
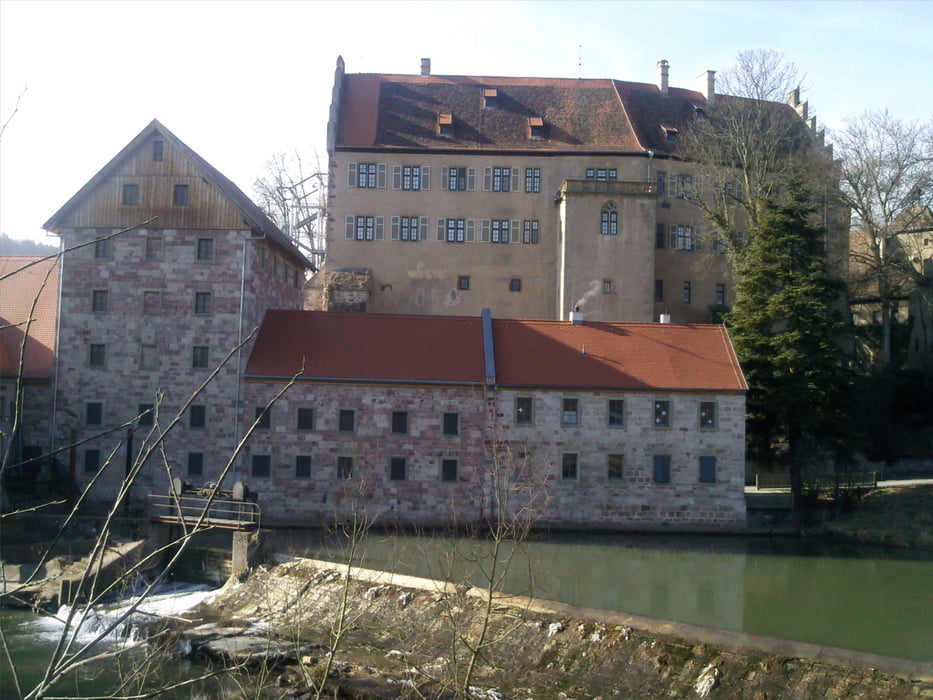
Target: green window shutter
514	187
445	176
395	228
396	177
471	230
380	233
487	179
351	174
471	179
484	234
349	230
441	229
381	176
423	228
426	177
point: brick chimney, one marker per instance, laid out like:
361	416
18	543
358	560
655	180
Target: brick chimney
425	66
663	67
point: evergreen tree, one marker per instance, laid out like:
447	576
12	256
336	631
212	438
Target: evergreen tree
785	327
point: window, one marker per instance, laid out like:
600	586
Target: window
660	233
662	414
158	150
707	470
97	355
535	128
148	357
91	460
263	417
615	464
451	424
152	303
130	195
682	237
146	413
411	177
720	295
609	220
408	228
366	175
100	301
659	290
102	248
305	419
365	228
607	287
571	412
463	282
200	355
344	467
397	468
662	469
94	413
490	98
445	125
569	466
456	230
530	231
708	415
197	416
515	285
202	302
180	196
616	413
448	470
524	410
457	179
687	290
601	174
154	248
500	231
346	420
532	179
662	183
195	463
302	466
262	466
501	178
400	422
205	249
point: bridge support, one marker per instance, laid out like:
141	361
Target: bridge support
245	546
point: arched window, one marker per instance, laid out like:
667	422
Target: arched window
609	221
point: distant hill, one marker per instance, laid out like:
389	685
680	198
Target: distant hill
13	246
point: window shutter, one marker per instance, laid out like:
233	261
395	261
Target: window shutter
471	230
381	176
425	177
445	177
396	177
351	174
708	470
395	228
471	179
484	234
662	469
514	187
515	231
487	179
673	236
349	231
380	233
441	226
423	228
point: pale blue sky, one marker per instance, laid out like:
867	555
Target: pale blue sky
239	80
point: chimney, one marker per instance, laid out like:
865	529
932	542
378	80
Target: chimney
425	66
663	67
664	318
576	316
708	85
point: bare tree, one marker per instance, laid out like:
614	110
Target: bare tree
886	179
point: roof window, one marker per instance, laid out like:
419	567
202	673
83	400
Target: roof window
490	98
445	124
670	132
535	128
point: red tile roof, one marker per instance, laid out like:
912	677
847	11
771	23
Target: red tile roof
449	349
25	281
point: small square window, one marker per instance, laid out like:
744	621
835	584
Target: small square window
195	464
662	414
102	248
100	301
346	420
305	419
708	415
303	466
524	410
152	303
398	467
463	282
399	422
662	469
615	467
130	195
344	467
146	413
200	356
448	470
94	413
263	417
515	285
616	413
202	302
197	416
451	423
262	466
571	412
707	470
97	355
180	196
91	460
205	249
569	466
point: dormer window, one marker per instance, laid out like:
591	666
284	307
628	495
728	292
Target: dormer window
670	132
490	98
445	125
535	128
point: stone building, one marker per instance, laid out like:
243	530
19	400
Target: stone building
439	420
167	270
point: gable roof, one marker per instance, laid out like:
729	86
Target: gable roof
363	347
252	214
25	281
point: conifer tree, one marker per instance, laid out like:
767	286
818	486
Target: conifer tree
785	326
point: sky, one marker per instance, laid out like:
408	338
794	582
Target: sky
240	80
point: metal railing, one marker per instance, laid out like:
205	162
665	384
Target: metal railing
220	512
830	482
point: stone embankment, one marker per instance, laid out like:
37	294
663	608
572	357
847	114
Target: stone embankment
399	636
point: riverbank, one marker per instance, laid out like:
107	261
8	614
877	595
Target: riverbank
408	637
